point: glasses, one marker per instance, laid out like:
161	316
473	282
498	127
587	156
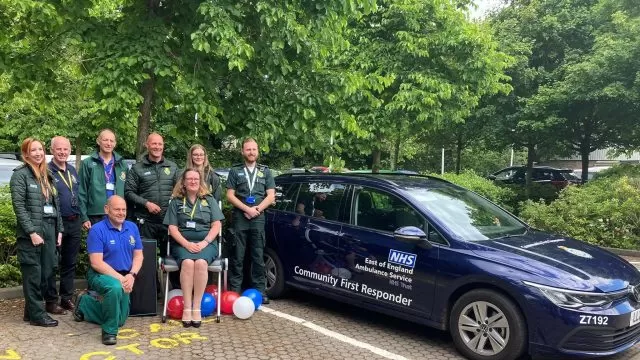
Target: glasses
192	179
197	155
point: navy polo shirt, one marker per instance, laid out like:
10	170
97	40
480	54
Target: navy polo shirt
62	180
116	246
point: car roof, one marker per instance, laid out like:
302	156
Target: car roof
9	162
401	180
544	167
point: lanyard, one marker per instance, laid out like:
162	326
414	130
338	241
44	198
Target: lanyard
70	183
193	210
251	182
107	173
45	191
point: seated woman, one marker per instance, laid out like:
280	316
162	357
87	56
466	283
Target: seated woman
193	218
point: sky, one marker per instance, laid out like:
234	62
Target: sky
484	6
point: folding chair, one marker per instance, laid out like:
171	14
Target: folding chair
220	265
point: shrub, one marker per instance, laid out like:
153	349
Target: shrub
604	212
618	171
474	182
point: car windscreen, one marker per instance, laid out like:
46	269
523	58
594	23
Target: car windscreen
5	174
469	216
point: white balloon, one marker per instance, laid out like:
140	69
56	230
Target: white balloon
174	293
243	307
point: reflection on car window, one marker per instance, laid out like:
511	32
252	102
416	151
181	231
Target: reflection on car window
467	215
320	199
381	211
286	196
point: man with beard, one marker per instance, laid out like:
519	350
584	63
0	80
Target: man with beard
250	189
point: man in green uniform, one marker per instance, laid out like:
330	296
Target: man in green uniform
101	176
115	255
250	189
149	186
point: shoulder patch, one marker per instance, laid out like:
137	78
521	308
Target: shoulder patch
123	175
167	171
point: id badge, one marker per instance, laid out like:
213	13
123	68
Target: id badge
251	200
48	209
191	224
110	186
74	201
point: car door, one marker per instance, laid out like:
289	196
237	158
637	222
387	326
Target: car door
384	271
307	233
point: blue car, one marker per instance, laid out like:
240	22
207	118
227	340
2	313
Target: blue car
428	251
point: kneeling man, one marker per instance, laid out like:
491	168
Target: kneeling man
115	255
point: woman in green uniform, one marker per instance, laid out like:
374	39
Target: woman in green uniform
193	219
197	158
39	230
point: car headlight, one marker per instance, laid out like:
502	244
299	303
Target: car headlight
576	299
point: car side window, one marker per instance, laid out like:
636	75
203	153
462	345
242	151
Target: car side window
286	195
382	211
505	175
320	200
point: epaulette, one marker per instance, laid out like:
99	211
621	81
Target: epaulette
262	167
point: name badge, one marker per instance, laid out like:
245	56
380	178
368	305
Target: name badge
110	186
251	200
48	209
191	224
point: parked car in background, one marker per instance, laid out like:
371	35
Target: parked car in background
592	171
428	251
384	171
10	155
6	169
559	178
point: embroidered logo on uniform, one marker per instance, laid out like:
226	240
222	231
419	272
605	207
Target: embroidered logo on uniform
73	178
132	241
260	174
112	242
33	186
123	176
204	203
147	173
167	171
240	174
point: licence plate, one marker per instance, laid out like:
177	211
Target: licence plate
635	317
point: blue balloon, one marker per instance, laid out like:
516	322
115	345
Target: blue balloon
207	305
255	296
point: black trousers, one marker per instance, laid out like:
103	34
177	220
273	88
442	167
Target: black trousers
160	233
69	249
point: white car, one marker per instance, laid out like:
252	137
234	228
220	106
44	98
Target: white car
592	171
6	170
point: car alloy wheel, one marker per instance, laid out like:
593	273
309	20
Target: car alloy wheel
271	272
484	328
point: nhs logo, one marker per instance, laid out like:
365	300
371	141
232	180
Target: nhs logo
402	258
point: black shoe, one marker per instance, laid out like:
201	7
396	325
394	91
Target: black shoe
53	308
67	304
77	314
196	323
109	339
46	321
25	317
265	299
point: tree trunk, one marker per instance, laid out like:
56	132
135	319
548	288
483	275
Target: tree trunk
144	120
78	152
584	157
375	166
531	154
396	153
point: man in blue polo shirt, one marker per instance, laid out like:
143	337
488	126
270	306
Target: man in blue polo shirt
115	254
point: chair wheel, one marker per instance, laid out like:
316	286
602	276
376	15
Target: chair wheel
164	319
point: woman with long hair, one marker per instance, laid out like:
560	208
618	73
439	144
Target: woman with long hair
197	158
193	218
35	203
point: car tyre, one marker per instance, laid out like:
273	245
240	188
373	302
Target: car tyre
486	325
274	274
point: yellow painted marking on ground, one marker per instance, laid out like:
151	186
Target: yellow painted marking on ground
88	356
11	354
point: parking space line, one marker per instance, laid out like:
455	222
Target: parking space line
333	334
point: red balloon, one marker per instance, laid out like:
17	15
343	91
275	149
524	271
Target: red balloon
212	289
227	299
175	306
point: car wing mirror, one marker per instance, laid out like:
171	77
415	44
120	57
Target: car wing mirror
411	235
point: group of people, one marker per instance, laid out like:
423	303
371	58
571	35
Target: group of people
182	207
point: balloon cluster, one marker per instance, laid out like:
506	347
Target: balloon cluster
242	306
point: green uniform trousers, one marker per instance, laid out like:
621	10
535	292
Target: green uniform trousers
255	239
110	307
37	265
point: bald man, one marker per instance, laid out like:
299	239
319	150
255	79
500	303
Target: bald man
149	186
102	175
65	179
115	255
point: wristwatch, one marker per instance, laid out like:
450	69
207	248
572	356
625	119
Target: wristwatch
134	274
